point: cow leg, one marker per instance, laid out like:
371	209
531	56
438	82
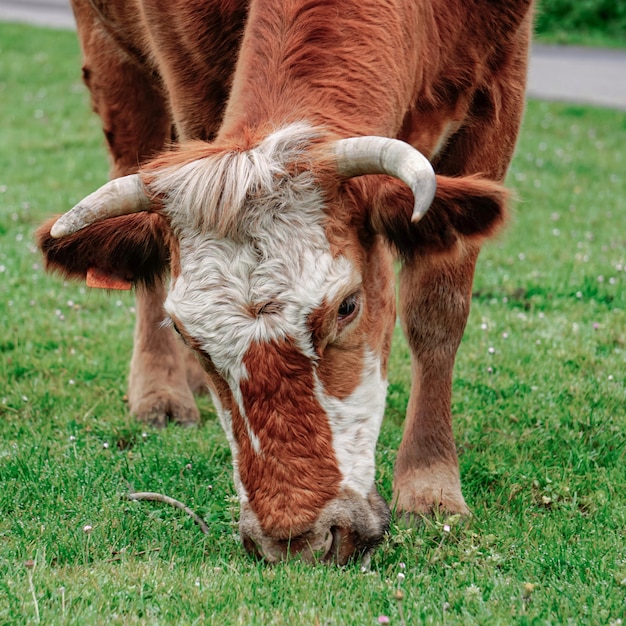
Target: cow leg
435	294
137	124
158	388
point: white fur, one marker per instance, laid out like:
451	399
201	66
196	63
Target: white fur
355	424
220	194
226	420
267	246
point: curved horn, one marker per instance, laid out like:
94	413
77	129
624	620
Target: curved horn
358	156
119	196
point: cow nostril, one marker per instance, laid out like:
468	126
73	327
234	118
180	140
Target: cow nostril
308	547
332	555
329	540
344	546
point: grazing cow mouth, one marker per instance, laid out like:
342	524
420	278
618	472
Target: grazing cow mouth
348	528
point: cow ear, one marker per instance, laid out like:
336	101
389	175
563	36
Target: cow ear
134	248
467	207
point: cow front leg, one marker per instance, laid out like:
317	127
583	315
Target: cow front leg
162	370
435	293
137	125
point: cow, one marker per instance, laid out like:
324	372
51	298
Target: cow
272	160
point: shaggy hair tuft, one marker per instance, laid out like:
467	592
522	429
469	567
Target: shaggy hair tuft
218	193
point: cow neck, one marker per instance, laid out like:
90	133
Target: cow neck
309	62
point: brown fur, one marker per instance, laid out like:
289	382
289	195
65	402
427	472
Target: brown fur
467	207
134	247
447	77
295	474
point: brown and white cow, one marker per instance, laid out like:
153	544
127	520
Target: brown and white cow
276	144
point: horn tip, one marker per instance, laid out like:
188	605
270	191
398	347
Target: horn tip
67	224
424	194
59	229
418	214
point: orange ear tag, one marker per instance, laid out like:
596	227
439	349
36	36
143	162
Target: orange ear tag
99	280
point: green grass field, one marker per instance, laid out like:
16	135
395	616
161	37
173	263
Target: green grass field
539	399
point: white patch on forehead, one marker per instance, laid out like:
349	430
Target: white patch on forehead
256	280
355	424
223	285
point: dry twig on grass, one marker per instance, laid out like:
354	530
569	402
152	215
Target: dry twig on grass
159	497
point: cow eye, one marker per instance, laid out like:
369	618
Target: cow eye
348	308
172	324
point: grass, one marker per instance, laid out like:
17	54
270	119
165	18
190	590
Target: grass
600	23
589	39
539	399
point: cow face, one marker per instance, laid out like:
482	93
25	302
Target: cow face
290	313
287	297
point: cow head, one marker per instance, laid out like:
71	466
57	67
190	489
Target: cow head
284	289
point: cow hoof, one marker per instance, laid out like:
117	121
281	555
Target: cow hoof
427	491
159	409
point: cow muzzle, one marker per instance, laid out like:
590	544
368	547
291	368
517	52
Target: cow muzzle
349	527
